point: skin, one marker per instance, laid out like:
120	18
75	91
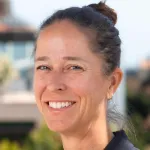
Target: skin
71	71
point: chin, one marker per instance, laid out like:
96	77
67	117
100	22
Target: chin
58	126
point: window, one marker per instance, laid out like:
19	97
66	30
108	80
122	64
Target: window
2	47
19	50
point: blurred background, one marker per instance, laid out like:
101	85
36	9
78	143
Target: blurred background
21	125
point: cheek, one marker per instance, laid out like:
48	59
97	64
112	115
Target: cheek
92	92
89	84
39	87
79	84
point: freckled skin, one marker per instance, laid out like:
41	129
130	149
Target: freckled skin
88	86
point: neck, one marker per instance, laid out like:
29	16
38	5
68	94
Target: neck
96	136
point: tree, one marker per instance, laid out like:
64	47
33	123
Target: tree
43	139
7	145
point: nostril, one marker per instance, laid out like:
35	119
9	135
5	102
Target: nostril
56	87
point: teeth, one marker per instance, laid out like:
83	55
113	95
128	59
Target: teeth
63	104
59	105
67	104
54	105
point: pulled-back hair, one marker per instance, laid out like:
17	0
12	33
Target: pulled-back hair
100	20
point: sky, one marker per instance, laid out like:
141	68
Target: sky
133	22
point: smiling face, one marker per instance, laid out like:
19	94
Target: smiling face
70	87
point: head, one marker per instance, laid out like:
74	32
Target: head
77	59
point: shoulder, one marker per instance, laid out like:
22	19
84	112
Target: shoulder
120	141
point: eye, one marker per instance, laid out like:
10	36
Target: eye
43	68
75	67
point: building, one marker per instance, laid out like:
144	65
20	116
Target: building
18	111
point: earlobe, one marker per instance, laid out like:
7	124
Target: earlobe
109	96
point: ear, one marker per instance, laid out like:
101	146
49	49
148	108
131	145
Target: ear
115	80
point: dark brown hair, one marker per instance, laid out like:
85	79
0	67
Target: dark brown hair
105	10
100	20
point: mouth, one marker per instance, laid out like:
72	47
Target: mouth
60	105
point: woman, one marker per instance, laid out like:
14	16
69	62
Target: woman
77	58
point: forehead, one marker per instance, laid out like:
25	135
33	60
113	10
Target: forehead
63	36
64	30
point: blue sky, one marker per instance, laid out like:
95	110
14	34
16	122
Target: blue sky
133	22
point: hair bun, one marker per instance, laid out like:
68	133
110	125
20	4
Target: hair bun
105	10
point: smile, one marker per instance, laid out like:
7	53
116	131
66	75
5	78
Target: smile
60	105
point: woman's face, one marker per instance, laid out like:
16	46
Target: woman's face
70	87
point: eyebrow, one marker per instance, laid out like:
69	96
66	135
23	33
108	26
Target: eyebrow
73	58
42	58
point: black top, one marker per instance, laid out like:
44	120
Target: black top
120	141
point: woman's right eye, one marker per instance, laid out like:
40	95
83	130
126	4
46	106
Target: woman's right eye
43	68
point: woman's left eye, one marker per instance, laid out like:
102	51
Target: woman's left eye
75	68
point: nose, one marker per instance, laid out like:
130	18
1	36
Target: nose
56	83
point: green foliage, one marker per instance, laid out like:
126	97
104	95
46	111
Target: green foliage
43	139
138	137
39	139
139	106
7	145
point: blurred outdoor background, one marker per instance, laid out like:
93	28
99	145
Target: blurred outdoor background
21	125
